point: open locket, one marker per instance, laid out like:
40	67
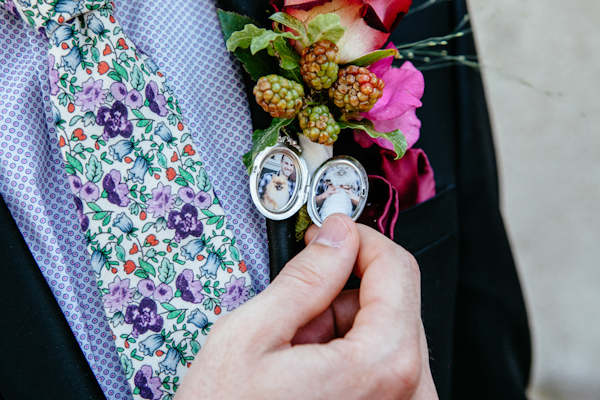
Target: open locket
280	185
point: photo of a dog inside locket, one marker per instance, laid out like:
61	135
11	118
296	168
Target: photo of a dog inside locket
338	191
277	182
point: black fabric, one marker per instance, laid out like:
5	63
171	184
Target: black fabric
39	357
473	311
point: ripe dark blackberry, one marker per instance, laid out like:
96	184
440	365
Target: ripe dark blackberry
280	97
318	124
356	89
319	64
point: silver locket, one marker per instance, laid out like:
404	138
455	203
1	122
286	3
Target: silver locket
280	185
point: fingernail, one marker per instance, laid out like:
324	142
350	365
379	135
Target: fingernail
333	233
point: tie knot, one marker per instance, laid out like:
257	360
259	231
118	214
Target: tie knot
47	15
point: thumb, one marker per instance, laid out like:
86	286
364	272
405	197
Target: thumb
309	282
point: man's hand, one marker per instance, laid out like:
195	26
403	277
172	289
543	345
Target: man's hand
302	339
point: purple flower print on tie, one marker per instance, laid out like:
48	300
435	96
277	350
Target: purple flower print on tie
89	192
118	90
143	317
134	99
191	290
157	101
186	194
146	287
117	191
91	95
236	294
161	202
53	75
185	223
10	7
119	295
148	384
202	200
114	120
163	293
75	184
83	219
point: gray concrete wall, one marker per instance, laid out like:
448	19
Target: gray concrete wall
541	70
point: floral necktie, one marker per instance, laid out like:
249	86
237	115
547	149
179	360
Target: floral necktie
166	262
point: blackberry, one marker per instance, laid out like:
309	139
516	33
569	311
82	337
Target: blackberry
318	124
319	64
357	89
280	97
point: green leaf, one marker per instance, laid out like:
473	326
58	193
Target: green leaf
261	42
396	137
137	79
208	213
94	206
289	59
174	314
181	318
303	221
373	57
120	252
243	39
235	253
195	347
75	163
291	22
138	114
75	119
114	75
147	267
263	138
95	55
203	181
162	160
127	366
168	307
122	71
166	271
180	181
255	66
325	27
141	274
106	220
186	175
94	169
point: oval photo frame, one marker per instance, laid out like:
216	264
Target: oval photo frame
278	182
339	185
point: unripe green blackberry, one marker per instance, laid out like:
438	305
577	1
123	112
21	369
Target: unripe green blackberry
280	97
319	64
357	89
318	124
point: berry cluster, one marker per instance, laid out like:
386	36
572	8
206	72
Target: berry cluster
351	89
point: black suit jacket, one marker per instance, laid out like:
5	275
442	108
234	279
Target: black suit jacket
473	310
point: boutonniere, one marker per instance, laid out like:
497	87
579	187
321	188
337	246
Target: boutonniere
322	68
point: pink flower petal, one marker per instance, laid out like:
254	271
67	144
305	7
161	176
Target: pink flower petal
360	38
390	12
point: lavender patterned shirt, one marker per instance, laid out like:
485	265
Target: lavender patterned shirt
189	48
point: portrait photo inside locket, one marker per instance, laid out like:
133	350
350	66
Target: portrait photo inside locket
339	186
277	183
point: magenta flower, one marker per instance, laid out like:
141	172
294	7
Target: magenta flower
369	22
119	295
161	201
236	294
396	109
91	96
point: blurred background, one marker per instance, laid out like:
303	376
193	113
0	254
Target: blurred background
541	68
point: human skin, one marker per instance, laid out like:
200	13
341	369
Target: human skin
304	338
287	166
